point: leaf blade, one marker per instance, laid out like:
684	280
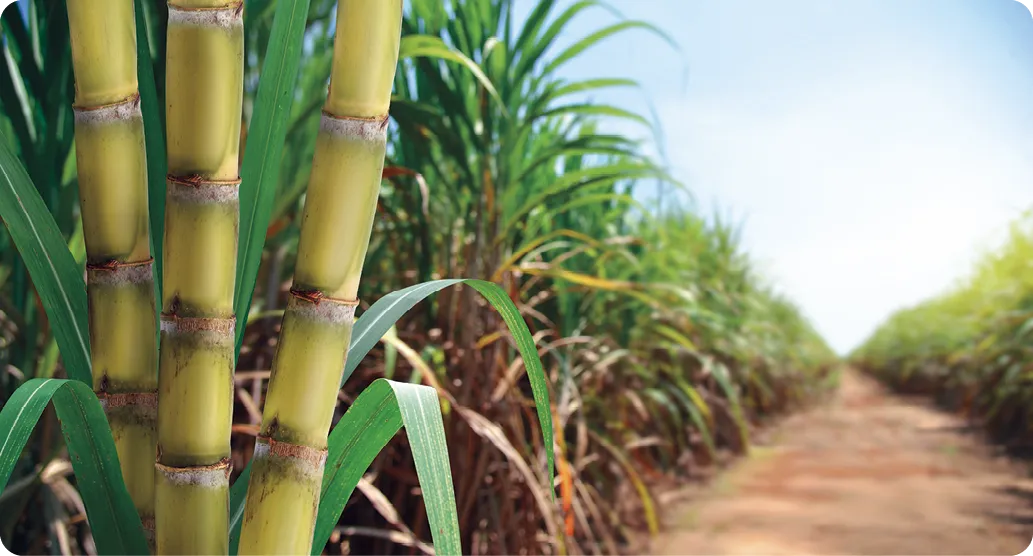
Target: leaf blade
49	262
263	153
112	516
378	319
154	144
416	408
365	429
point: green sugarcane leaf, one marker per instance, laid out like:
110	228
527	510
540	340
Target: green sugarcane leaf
648	504
696	406
382	315
581	179
376	321
154	139
594	109
264	150
364	431
595	38
113	519
54	272
366	428
238	495
425	46
577	87
724	380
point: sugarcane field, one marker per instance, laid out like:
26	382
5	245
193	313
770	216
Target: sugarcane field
516	277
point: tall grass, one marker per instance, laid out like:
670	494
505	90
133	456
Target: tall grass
663	346
969	347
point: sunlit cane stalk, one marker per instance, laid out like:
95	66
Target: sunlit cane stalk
112	170
204	89
283	494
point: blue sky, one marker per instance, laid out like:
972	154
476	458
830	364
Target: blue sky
872	148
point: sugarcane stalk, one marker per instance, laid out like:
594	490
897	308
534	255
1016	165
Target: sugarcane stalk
204	88
112	169
287	470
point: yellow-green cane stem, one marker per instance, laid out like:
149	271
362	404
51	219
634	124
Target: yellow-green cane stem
103	39
121	313
195	389
112	172
204	76
201	496
121	305
112	167
132	417
283	494
195	393
340	204
204	88
201	221
366	46
316	330
314	337
286	478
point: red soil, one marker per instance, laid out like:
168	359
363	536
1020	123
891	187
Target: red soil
866	473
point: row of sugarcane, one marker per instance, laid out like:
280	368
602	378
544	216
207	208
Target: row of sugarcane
968	348
170	415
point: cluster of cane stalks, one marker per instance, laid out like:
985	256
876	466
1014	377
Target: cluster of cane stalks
171	415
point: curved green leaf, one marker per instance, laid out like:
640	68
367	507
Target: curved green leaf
53	270
425	46
600	35
590	85
696	407
264	150
376	321
531	53
593	109
363	432
154	141
724	380
382	315
594	176
365	429
113	519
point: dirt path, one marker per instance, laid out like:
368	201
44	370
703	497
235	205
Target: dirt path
868	473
